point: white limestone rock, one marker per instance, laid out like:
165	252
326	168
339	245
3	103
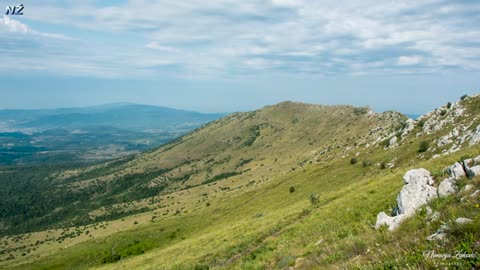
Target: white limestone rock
467	188
476	161
417	191
440	234
447	187
391	222
456	171
463	220
409	126
393	142
475	136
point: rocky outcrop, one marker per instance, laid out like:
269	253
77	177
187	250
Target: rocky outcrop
447	187
417	191
456	171
467	168
393	142
437	119
472	166
475	136
409	126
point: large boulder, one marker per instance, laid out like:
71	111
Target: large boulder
447	187
391	222
417	191
456	171
476	160
472	167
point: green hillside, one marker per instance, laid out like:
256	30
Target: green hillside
290	185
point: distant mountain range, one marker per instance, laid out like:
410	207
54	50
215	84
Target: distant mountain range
90	133
128	116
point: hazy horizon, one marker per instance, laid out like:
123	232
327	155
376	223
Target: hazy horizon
74	101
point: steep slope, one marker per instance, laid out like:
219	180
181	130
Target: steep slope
241	149
275	188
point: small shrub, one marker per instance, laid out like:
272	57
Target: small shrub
464	157
443	112
172	235
360	111
424	145
383	165
135	223
449	105
366	163
111	258
208	204
314	198
463	97
201	267
353	161
292	189
421	123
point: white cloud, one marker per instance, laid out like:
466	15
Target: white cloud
13	26
218	38
287	3
155	45
409	60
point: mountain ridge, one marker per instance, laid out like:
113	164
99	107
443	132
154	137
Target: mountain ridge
265	188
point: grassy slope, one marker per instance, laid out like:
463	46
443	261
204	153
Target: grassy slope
265	226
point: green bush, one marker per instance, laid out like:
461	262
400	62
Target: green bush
421	123
424	145
449	105
383	165
463	97
366	163
292	189
314	198
360	111
201	267
353	161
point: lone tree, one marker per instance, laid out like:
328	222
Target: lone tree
292	189
353	161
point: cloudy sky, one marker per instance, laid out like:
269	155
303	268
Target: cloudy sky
230	55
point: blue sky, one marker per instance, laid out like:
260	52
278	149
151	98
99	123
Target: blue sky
228	55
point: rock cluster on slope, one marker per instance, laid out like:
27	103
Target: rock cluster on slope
466	168
419	189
